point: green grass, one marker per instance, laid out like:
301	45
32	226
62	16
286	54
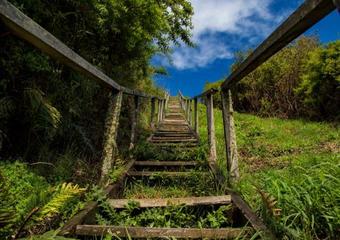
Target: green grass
295	163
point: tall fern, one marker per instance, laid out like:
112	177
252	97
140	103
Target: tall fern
45	115
63	195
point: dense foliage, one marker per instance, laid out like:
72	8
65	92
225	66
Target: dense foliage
52	118
302	80
49	113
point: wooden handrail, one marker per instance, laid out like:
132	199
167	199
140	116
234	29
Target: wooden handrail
208	92
25	28
308	14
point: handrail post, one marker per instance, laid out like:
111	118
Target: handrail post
158	111
211	131
190	113
187	109
134	121
153	109
230	136
164	109
196	115
161	104
110	134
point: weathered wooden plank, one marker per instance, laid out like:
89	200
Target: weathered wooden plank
153	110
211	132
210	91
110	135
134	121
309	13
165	202
147	232
162	174
254	220
230	136
196	115
166	163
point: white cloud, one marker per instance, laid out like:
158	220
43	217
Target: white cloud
220	26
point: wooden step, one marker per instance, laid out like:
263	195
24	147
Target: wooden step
190	137
162	174
165	202
166	163
182	141
147	232
175	145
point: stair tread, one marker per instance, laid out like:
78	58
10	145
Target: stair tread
164	202
166	163
150	232
162	173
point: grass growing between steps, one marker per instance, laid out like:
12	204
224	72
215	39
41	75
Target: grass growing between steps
290	172
172	217
162	187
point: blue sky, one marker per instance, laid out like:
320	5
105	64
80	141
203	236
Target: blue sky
222	27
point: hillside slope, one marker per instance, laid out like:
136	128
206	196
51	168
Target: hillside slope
295	163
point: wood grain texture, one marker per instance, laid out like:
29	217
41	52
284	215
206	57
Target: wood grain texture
145	232
164	202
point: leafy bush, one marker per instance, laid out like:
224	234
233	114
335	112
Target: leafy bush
320	86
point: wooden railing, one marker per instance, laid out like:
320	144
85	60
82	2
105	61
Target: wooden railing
25	28
309	13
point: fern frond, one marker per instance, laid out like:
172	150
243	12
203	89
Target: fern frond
270	203
64	193
47	114
7	107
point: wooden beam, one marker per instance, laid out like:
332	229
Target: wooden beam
165	163
254	220
147	232
153	110
109	142
309	13
230	137
165	202
196	116
134	121
208	92
211	132
162	174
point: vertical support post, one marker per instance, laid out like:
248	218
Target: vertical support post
161	109
109	141
190	113
196	115
230	136
158	111
153	109
164	108
211	132
134	121
187	109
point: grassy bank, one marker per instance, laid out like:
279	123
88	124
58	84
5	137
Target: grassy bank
289	172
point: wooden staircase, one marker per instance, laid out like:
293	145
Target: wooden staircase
173	132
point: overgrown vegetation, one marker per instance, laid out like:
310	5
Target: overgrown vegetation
30	203
302	80
52	118
289	172
172	217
